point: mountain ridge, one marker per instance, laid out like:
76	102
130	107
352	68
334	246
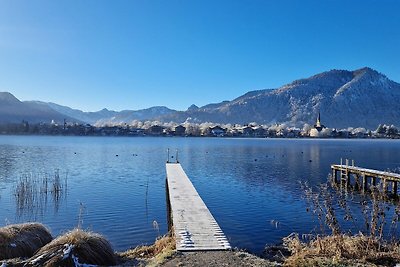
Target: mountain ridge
358	98
342	97
13	110
106	116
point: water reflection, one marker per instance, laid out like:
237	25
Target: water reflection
249	183
8	160
246	183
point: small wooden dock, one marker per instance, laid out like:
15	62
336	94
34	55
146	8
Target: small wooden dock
362	178
194	226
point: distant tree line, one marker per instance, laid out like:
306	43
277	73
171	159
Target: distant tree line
156	128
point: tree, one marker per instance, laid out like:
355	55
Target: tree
306	129
192	129
392	131
381	129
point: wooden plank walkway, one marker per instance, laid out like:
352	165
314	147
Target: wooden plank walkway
195	227
367	172
361	177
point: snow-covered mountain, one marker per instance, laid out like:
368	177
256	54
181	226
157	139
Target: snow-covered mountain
14	111
127	116
87	117
360	98
109	117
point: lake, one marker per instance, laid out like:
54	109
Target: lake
116	185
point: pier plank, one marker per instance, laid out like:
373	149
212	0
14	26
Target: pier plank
195	227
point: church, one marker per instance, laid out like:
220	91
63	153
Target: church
318	127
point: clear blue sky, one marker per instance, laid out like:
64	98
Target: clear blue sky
136	54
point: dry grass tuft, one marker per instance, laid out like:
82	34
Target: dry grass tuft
74	248
341	248
22	240
163	248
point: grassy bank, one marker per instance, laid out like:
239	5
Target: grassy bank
152	255
32	245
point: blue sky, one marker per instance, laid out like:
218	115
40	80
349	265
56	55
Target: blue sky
136	54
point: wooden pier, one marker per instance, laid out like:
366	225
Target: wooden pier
194	226
362	178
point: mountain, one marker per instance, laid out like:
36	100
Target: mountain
127	116
87	117
360	98
14	111
108	117
193	107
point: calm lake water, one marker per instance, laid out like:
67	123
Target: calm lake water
246	183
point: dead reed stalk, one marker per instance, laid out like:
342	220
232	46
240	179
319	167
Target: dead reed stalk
350	249
32	192
368	245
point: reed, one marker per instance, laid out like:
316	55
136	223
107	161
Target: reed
156	227
345	249
370	243
33	191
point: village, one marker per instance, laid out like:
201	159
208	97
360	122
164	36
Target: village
156	128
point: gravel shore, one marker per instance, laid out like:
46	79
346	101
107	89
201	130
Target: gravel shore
216	258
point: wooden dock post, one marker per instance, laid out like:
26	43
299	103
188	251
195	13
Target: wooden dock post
357	184
347	174
167	155
394	188
334	178
384	185
341	172
169	214
364	182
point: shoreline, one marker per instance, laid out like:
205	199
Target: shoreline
212	137
82	248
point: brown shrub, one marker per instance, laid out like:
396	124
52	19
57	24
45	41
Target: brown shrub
152	255
342	248
73	247
22	240
165	243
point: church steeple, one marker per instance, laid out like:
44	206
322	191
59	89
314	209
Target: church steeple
318	124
